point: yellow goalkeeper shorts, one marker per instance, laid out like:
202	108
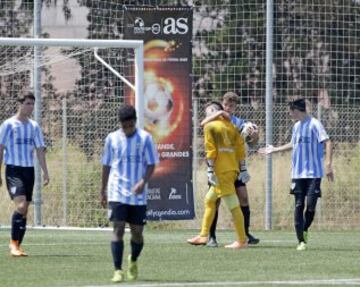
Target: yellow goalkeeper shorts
226	183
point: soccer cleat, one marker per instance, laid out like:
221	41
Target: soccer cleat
237	245
197	240
306	236
301	246
118	276
252	240
212	242
14	248
23	253
132	272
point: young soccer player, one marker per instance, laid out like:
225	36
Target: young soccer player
307	141
129	161
19	136
224	148
229	102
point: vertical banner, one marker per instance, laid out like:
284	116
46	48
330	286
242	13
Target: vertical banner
167	35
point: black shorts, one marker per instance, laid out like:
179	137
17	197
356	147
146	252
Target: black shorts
20	181
239	183
133	214
306	186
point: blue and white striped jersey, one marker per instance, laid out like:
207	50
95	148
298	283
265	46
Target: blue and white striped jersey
237	122
308	149
20	139
128	158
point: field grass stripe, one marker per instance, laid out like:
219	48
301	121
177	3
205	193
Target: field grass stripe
315	282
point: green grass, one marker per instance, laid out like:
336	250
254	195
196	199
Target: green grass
83	258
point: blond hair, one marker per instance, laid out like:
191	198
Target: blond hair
231	97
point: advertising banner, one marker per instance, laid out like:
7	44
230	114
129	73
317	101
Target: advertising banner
167	34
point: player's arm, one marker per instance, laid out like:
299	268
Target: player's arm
271	149
210	154
104	181
213	117
1	160
3	138
40	152
328	160
139	186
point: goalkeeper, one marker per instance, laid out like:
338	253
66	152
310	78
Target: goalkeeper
251	135
224	149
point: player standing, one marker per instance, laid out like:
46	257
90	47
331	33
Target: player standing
224	148
129	161
307	144
19	136
229	102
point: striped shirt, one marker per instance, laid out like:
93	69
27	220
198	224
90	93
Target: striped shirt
128	158
19	139
308	150
237	122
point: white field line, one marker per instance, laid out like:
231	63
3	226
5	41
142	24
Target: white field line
335	282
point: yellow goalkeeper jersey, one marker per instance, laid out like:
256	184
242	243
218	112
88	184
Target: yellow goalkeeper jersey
224	145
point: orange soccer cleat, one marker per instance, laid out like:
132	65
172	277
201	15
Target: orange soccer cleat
198	240
14	248
237	245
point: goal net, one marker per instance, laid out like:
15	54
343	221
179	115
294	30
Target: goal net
83	82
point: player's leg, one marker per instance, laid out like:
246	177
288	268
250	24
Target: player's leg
232	203
241	191
16	188
29	179
208	217
299	220
118	215
212	237
137	220
313	193
298	189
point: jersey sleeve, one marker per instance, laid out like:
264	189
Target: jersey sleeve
108	152
240	147
151	155
4	133
321	132
210	146
38	137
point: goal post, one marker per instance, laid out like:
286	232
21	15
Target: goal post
137	45
76	115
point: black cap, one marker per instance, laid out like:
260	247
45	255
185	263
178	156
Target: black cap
298	104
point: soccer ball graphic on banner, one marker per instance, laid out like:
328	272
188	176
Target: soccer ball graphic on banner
159	103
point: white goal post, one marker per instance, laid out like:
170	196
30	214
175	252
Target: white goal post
21	58
137	45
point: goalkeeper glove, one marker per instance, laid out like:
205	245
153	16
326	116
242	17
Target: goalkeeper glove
212	179
244	176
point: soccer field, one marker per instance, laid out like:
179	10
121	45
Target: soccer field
82	258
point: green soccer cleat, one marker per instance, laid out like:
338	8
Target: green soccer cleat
306	236
118	276
132	272
301	247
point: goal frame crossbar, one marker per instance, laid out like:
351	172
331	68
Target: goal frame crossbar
137	45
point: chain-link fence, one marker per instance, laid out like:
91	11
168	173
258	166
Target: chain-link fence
316	55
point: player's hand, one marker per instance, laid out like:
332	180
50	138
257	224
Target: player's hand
226	115
329	172
139	187
212	179
46	179
244	176
266	150
103	198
